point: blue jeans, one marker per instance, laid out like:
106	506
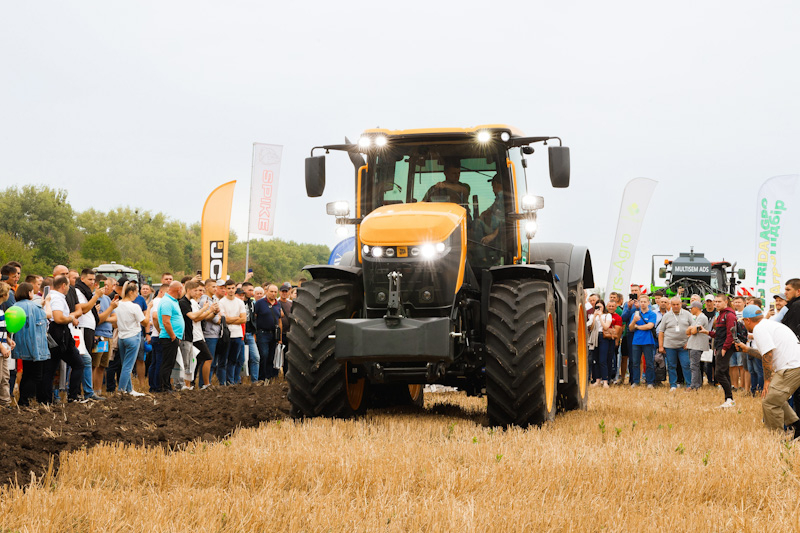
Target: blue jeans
211	342
756	375
226	363
266	347
155	365
254	357
649	364
88	389
673	357
128	352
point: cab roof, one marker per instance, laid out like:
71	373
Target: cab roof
514	132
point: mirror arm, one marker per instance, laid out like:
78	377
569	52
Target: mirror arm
343	220
524	141
341	147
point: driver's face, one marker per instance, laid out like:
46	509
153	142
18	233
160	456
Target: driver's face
452	174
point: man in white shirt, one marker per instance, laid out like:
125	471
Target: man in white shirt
232	308
777	346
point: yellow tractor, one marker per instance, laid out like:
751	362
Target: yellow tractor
445	285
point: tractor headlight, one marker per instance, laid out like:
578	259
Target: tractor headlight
365	250
377	252
532	203
530	228
364	141
428	251
484	136
380	141
338	209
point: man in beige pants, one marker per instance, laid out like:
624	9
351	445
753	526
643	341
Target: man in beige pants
779	349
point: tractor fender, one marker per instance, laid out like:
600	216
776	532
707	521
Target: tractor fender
348	273
572	263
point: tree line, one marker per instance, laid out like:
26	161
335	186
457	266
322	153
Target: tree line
40	229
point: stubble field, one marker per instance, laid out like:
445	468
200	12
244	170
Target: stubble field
636	460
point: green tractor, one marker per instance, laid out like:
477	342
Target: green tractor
691	273
439	289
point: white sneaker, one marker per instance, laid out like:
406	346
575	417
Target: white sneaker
728	404
136	394
673	389
650	387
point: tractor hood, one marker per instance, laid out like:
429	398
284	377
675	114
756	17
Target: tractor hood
410	224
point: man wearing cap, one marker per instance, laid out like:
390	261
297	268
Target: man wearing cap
778	348
780	308
698	343
254	356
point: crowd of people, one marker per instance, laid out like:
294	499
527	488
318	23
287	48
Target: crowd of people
735	342
86	335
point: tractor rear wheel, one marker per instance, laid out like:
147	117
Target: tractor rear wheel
575	393
319	385
521	353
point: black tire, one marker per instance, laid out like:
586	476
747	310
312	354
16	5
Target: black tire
396	394
575	393
318	384
521	353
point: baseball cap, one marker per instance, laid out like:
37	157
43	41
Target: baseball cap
220	282
781	295
239	291
751	311
286	286
696	305
709	297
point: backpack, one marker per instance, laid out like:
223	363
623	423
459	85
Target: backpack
741	332
224	338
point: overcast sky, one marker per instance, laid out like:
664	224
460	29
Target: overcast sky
154	104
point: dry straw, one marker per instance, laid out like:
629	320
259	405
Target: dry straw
637	460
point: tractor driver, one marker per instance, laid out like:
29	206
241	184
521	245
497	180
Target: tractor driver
489	223
449	190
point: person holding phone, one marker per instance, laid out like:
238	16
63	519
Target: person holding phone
643	342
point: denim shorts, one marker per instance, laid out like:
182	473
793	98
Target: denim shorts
140	354
737	358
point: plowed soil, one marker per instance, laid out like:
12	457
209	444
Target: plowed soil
30	437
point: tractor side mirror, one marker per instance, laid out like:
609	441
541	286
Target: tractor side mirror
741	273
662	272
315	176
559	166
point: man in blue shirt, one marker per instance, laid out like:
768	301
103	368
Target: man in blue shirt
171	326
268	331
103	333
643	342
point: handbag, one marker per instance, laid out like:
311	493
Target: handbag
277	361
707	356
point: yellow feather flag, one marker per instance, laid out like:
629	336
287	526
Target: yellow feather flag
215	229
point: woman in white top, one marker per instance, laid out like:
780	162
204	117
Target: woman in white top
598	322
130	320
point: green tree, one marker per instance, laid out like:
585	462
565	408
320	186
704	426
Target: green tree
40	218
99	247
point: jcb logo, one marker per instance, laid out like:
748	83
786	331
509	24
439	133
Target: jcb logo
217	254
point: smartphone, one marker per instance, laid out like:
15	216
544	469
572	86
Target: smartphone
102	283
199	272
46	291
250	270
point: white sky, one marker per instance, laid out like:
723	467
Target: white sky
153	104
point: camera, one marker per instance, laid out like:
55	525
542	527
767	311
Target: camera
632	296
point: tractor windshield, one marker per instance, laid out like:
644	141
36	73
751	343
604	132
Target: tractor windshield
457	173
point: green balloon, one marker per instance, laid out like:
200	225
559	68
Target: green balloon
15	319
